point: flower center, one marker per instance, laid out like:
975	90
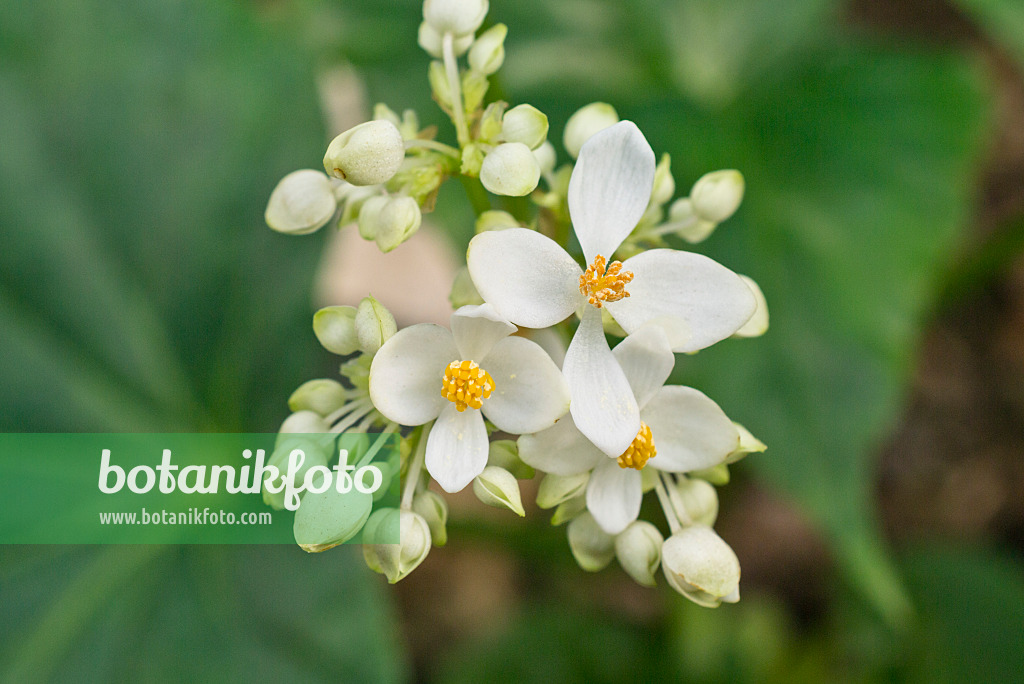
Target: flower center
466	384
640	451
599	285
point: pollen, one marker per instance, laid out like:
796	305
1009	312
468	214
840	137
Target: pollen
599	285
640	451
466	384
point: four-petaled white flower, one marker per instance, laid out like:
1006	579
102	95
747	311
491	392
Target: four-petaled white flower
425	372
683	430
532	281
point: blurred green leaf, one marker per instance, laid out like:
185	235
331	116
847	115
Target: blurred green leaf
1002	19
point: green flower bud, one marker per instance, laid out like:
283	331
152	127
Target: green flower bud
397	221
692	228
588	120
374	325
439	86
395	561
354	199
303	422
474	88
525	124
499	488
472	159
302	202
717	475
432	41
368	154
326	519
694	500
488	52
320	396
495	220
335	328
504	453
717	195
554	489
510	169
434	509
314	454
758	323
664	183
568	510
455	16
592	547
463	290
701	567
369	216
749	444
545	156
638	548
490	121
381	112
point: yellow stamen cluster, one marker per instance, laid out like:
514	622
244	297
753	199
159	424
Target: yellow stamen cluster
599	285
640	451
466	384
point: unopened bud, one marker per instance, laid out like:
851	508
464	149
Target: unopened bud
497	487
433	42
587	121
313	454
568	510
545	156
749	444
717	475
554	489
397	221
694	500
303	422
455	16
592	547
322	396
464	292
664	183
369	216
490	121
495	219
439	86
383	555
717	195
328	518
638	548
701	566
488	52
368	154
335	328
692	228
434	509
504	453
374	325
510	169
302	203
525	124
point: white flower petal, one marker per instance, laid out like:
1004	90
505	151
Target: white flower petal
527	277
560	450
614	495
476	329
758	323
407	372
646	358
603	406
712	301
530	393
610	188
690	431
456	448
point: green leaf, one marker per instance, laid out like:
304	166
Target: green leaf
1003	19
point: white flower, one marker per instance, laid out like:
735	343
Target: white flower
682	430
530	280
425	372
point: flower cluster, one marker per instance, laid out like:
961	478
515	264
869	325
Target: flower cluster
499	396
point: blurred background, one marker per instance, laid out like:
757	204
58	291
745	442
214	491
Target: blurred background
881	535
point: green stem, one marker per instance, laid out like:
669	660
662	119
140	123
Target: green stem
413	475
455	86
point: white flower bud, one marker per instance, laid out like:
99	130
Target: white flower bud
717	195
749	444
664	183
504	453
510	169
495	219
302	202
695	500
592	547
322	396
701	566
335	328
354	199
374	325
433	42
692	228
395	560
434	510
638	548
497	487
546	158
588	120
758	323
568	510
368	154
455	16
464	292
326	519
369	216
554	489
525	124
302	422
397	221
488	52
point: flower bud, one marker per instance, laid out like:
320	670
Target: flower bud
664	183
368	154
374	325
313	454
717	195
381	112
495	220
303	422
397	221
694	500
472	159
554	489
474	88
525	124
592	547
434	509
568	510
587	121
302	202
545	156
638	548
497	487
701	567
433	42
510	169
758	323
463	290
504	453
749	444
439	86
395	560
717	475
354	199
328	518
335	328
692	228
488	52
369	216
490	121
320	396
455	16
